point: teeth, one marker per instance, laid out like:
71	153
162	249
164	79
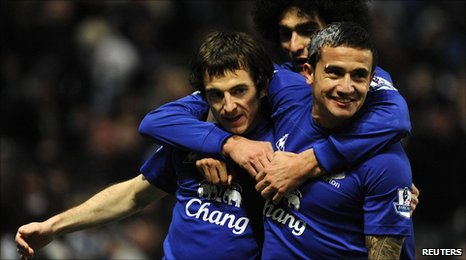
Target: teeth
344	100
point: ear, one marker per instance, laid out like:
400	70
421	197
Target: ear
308	73
264	91
372	74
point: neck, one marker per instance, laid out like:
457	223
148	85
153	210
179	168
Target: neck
326	120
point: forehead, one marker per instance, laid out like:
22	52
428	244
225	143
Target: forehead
228	79
292	16
347	57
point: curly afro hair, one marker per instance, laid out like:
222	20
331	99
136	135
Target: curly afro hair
266	13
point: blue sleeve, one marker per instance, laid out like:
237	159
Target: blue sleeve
287	90
181	124
387	189
383	120
158	170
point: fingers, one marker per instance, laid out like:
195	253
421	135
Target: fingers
259	161
23	249
414	198
261	185
251	170
266	190
260	176
24	254
214	171
277	197
413	205
415	191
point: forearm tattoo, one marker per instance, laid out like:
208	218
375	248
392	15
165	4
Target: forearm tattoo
384	247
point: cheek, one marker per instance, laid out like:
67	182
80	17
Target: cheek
215	108
253	109
285	45
305	41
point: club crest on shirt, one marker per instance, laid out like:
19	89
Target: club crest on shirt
403	203
280	144
379	83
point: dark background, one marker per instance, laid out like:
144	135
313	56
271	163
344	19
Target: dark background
78	76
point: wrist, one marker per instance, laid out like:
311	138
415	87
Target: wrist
311	166
229	145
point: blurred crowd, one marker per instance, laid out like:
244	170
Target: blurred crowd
78	76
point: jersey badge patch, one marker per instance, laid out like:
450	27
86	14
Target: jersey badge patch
403	203
280	144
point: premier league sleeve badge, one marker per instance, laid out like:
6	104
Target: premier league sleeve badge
403	203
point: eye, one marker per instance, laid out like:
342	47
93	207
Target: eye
285	34
307	30
214	95
360	75
334	72
239	91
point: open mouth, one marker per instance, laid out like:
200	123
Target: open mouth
233	119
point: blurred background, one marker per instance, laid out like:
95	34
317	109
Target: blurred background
78	76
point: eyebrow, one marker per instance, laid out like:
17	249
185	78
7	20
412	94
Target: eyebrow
330	68
300	26
210	90
229	89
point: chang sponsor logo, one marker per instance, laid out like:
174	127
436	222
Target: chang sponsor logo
230	195
197	209
284	217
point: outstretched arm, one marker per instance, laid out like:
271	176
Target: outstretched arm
113	203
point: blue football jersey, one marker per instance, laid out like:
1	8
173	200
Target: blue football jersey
328	218
208	221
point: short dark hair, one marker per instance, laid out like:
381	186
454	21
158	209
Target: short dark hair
341	34
223	52
266	13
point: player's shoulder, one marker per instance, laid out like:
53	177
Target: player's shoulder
284	74
392	159
382	80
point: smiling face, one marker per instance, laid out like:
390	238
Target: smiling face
234	101
340	81
295	30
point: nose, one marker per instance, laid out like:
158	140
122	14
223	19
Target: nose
297	43
229	104
346	85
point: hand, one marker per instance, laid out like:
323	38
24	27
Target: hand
214	171
253	156
414	198
285	173
32	237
